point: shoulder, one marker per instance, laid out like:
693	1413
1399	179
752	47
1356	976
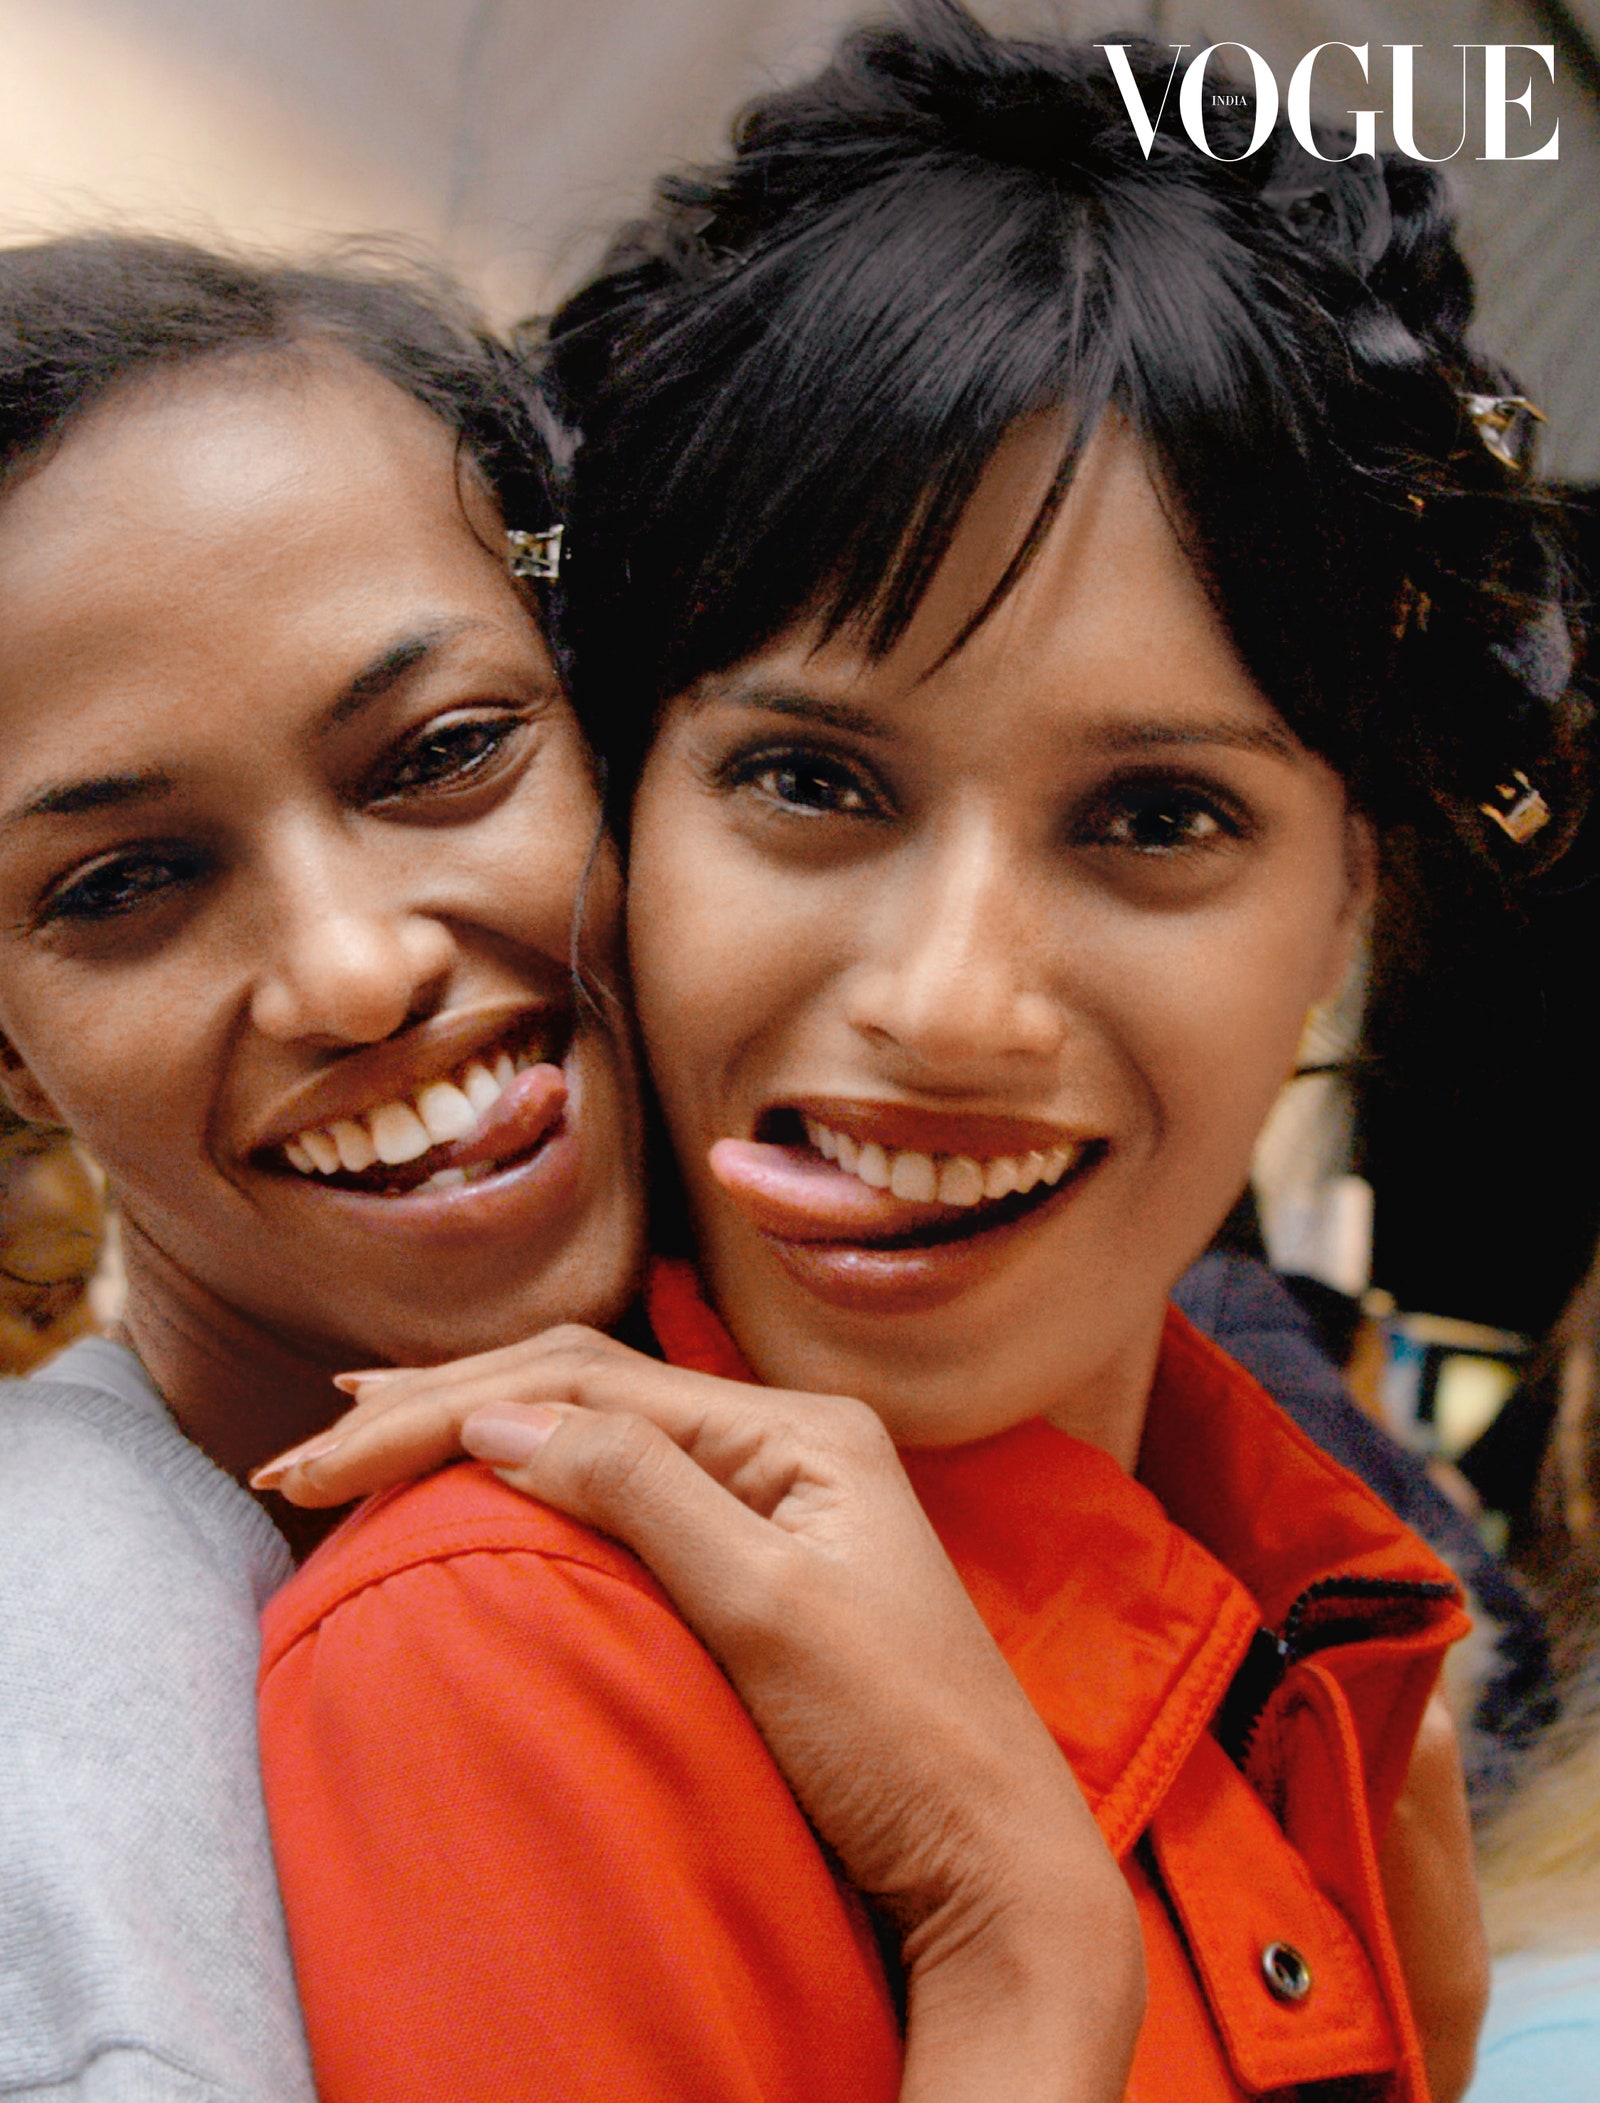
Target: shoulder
477	1714
100	1490
1542	2036
106	1509
456	1536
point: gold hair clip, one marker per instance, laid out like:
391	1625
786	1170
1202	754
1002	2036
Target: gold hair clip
1521	811
535	555
1497	415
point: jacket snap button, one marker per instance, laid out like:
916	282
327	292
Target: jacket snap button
1287	1973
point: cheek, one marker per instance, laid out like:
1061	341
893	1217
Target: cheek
1224	1011
125	1069
727	955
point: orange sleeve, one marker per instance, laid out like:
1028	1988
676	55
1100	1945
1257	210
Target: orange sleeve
532	1847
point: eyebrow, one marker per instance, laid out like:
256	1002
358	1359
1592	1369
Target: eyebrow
1238	736
798	705
1230	732
390	667
103	792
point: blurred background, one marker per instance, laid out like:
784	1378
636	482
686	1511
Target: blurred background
509	134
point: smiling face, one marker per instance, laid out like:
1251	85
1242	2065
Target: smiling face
967	985
293	819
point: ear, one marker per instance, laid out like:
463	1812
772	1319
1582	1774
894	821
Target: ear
1361	892
21	1090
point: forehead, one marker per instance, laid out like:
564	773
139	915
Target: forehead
1108	619
248	527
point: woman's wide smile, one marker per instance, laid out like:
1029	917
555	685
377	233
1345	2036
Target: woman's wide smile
967	974
300	827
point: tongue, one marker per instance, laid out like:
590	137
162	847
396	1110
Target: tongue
791	1192
519	1119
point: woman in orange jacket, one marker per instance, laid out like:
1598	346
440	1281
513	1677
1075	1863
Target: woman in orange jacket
1052	561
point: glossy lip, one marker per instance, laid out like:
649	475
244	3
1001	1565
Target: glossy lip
392	1070
869	1278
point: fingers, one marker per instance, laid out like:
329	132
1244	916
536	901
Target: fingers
407	1422
369	1449
624	1475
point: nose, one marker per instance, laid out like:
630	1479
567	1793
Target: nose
348	963
958	982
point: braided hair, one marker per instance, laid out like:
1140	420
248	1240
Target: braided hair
791	375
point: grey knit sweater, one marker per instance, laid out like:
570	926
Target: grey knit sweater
142	1953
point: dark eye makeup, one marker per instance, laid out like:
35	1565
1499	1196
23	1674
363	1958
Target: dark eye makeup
1151	812
1161	814
124	881
450	752
804	781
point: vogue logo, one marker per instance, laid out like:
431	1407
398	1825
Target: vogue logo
1192	99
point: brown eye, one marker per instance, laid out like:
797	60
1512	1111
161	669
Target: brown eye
812	784
1162	818
450	753
124	883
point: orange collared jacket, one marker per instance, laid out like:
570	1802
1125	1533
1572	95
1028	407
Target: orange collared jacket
531	1846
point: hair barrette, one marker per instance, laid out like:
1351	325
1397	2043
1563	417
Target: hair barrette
1519	810
535	555
1496	417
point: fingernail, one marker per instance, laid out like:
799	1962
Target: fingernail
272	1472
506	1440
353	1383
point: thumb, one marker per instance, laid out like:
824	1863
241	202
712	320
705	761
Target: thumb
623	1475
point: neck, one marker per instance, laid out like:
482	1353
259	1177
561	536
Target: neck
241	1391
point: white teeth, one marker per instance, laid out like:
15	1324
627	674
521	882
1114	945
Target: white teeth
825	1142
960	1181
322	1150
446	1179
951	1179
914	1177
446	1112
872	1167
1000	1177
356	1150
480	1087
398	1133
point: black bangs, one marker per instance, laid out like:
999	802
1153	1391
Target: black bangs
806	435
792	376
800	439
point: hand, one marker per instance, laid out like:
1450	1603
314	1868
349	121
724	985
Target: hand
787	1533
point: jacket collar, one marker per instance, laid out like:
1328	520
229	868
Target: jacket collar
1125	1607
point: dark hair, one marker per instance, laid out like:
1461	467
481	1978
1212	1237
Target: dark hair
84	315
792	374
